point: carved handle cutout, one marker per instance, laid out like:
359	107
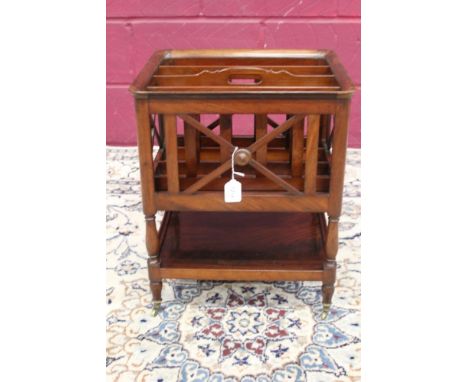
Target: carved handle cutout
243	79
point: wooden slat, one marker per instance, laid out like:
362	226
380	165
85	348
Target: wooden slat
170	127
310	174
275	133
279	168
214	201
193	69
250	61
260	131
190	141
264	274
326	150
213	124
248	183
272	176
227	77
161	128
203	129
272	123
208	178
297	148
217	105
329	139
287	137
159	165
237	140
244	89
325	126
211	154
225	131
155	131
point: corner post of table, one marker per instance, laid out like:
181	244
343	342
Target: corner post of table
338	161
145	150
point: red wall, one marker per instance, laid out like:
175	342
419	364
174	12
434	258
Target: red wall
135	28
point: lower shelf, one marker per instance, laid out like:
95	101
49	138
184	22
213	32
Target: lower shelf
241	246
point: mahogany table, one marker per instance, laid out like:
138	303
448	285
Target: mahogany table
293	156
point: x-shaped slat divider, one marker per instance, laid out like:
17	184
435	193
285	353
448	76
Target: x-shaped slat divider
252	148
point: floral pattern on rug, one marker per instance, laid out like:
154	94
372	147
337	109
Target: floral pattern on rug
225	331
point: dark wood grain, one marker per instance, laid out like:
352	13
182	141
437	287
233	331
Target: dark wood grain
170	130
212	154
261	124
263	246
280	168
297	149
192	154
210	72
225	131
194	69
310	183
251	201
252	182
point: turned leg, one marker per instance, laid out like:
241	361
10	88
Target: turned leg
145	149
338	160
152	246
329	277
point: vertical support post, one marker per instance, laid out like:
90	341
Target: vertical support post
161	128
172	164
145	150
339	145
287	135
297	149
311	159
225	131
261	124
340	138
191	143
325	127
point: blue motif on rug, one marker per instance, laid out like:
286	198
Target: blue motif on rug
247	327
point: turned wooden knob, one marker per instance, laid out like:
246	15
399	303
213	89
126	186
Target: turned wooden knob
242	157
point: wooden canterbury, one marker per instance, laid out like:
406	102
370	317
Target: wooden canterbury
286	226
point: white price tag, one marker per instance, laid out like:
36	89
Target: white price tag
233	191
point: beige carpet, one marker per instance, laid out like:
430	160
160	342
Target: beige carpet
219	332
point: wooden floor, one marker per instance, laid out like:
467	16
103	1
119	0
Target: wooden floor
242	246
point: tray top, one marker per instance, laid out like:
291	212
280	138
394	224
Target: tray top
242	73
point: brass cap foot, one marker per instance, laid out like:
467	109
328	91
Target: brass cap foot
326	309
156	306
